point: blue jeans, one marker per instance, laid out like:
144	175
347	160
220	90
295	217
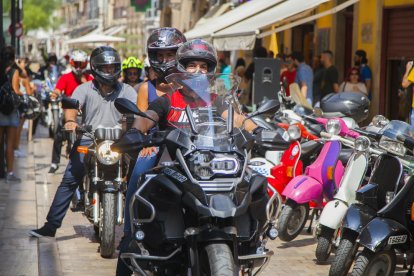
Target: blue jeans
72	178
142	165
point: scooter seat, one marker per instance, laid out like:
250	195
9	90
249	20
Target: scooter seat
345	155
309	147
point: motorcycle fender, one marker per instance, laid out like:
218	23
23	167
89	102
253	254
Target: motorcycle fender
302	189
357	216
333	213
383	234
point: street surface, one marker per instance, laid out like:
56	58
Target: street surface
75	250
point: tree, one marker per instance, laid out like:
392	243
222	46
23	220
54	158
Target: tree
36	13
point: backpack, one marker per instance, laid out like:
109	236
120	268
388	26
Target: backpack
9	100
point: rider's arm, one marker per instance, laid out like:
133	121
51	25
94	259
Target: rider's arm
157	110
142	97
221	106
70	118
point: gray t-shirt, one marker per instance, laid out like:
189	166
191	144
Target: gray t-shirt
99	110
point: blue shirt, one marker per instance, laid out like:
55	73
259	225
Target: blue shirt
304	74
365	73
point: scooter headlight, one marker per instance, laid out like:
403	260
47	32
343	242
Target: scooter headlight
294	132
362	143
333	127
105	155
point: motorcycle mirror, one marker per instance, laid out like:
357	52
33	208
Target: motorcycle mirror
69	103
270	106
125	106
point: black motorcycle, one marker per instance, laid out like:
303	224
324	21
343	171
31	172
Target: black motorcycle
386	180
104	181
391	230
201	210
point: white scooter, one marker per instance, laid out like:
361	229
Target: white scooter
331	217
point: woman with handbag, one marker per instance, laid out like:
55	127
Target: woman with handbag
9	118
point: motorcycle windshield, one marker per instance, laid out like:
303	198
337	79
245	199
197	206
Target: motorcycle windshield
203	100
395	128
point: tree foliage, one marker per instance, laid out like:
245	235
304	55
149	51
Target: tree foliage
36	13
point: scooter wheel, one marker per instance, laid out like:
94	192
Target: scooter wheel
292	220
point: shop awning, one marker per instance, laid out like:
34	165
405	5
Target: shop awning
241	36
95	38
245	32
232	17
114	30
213	13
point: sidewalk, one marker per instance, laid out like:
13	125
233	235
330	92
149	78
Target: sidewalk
24	206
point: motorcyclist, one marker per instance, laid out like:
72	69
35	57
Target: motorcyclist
66	84
96	99
162	45
195	57
131	71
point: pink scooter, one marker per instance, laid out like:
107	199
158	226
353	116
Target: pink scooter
320	181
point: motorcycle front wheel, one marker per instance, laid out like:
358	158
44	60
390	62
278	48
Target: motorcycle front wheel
344	256
292	220
107	234
219	261
380	263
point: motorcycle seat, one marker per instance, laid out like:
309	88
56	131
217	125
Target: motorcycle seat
309	147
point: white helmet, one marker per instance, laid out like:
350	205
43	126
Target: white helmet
78	60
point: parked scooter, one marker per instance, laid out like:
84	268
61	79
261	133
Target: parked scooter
331	217
392	229
384	181
319	182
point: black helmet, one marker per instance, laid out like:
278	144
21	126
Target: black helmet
163	39
199	50
101	56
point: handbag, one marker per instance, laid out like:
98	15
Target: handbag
9	100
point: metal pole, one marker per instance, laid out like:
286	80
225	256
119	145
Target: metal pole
13	23
18	19
1	25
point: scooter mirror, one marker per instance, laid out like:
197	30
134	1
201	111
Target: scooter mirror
69	103
270	106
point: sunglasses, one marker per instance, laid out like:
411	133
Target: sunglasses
79	64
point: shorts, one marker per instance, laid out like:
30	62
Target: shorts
11	120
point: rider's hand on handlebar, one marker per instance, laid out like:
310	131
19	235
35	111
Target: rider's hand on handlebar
54	95
70	126
147	151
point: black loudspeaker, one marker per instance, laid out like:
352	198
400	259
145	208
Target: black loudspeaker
266	81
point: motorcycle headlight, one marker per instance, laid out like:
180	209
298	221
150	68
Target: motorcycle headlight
294	132
205	165
362	143
392	146
380	121
105	155
333	127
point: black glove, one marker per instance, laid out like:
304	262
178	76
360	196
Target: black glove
132	140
